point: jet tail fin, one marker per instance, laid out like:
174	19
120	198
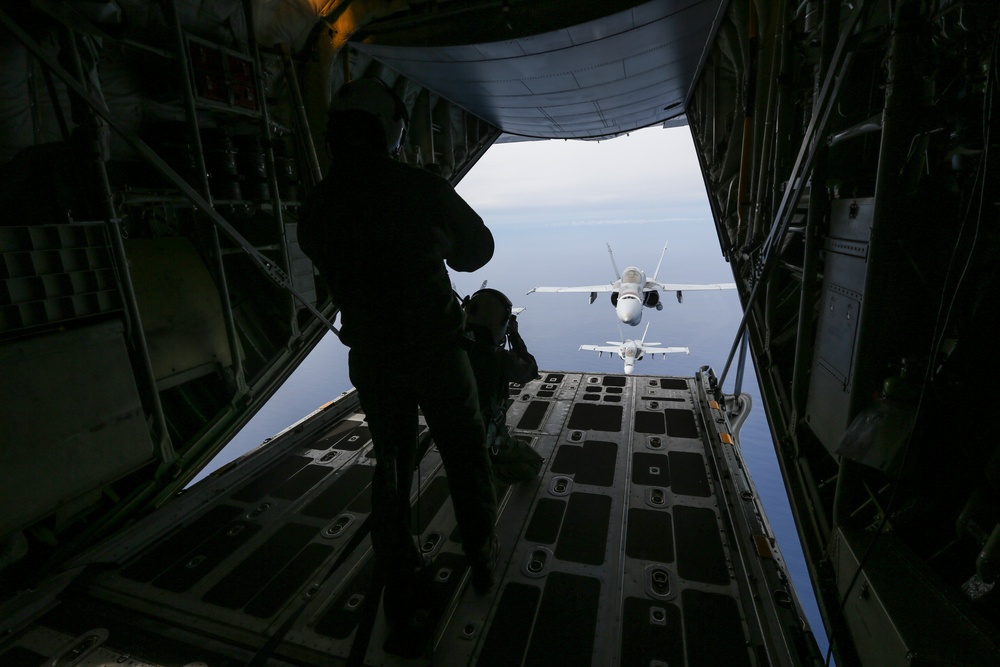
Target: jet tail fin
618	276
657	272
454	288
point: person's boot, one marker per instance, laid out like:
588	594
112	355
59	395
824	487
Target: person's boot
482	569
404	601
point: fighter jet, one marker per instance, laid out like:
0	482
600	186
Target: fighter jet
631	291
633	350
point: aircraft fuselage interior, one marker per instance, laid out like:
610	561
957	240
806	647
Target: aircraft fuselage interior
155	158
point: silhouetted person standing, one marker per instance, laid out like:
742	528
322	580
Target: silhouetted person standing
374	218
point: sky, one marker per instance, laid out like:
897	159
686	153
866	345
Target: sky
553	208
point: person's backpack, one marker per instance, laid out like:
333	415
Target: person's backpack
512	458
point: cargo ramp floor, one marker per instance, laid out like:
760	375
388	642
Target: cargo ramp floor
641	542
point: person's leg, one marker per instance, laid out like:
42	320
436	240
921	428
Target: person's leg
391	413
451	409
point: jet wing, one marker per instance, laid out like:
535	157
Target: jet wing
601	348
666	350
606	287
677	287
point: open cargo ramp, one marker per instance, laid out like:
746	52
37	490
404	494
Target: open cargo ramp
642	542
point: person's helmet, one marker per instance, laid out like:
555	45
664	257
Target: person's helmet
372	96
491	309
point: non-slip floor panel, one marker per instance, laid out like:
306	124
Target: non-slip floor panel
339	434
650	469
588	417
680	423
584	534
699	547
508	636
305	479
567	620
354	440
545	521
673	383
288	581
184	541
667	399
566	460
271	479
649	422
200	561
532	417
344	614
650	535
651	634
689	477
593	463
256	570
712	630
333	500
596	464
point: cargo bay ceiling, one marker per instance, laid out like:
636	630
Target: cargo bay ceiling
571	70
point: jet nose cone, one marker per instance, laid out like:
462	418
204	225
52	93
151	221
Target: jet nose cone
629	370
630	312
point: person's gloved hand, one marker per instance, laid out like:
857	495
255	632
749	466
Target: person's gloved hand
512	327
